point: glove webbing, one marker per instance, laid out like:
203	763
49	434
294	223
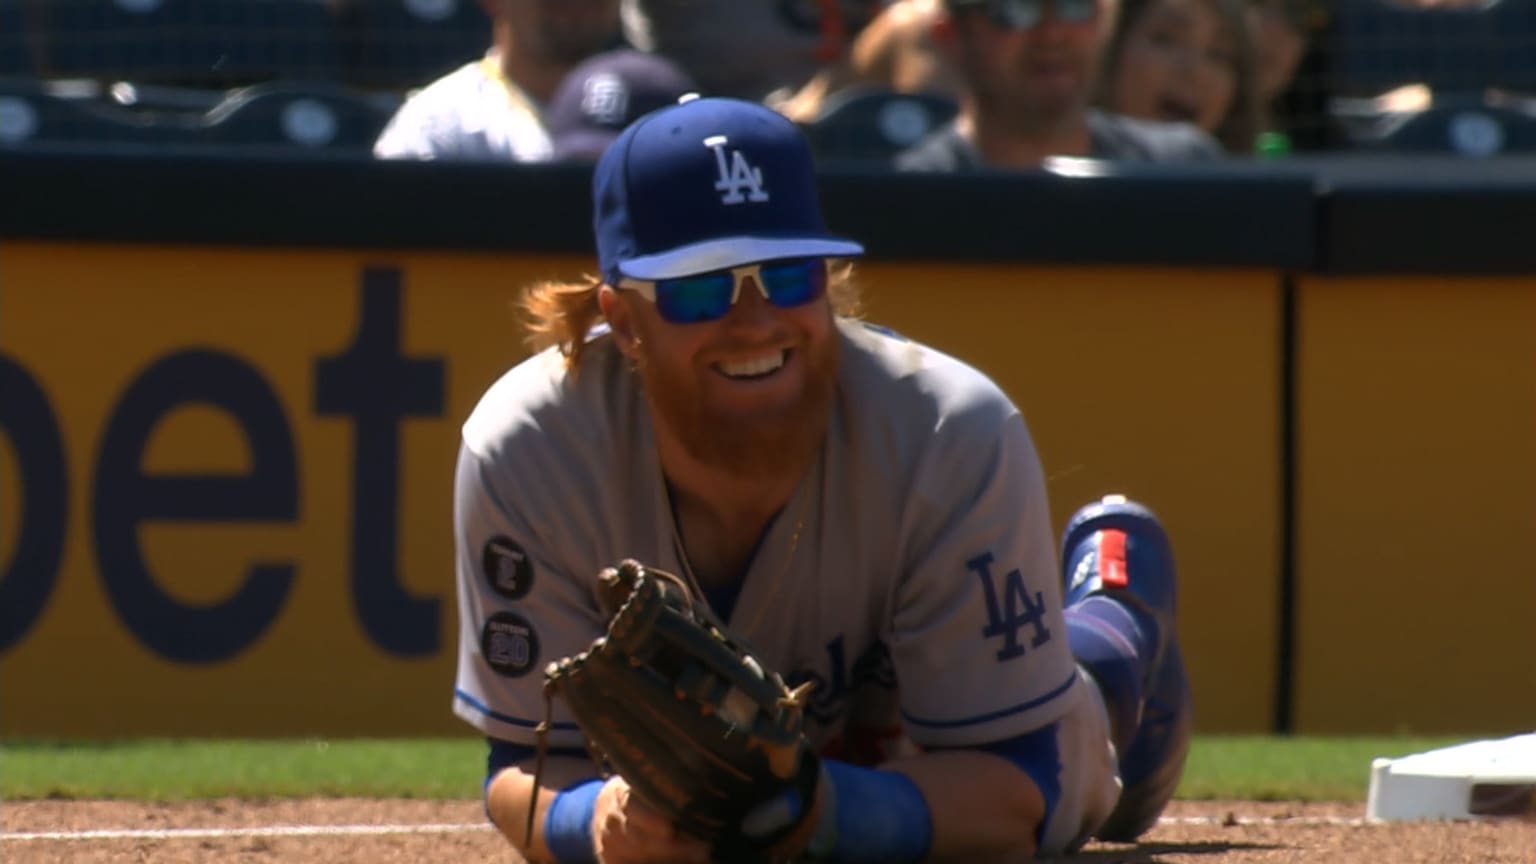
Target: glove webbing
609	583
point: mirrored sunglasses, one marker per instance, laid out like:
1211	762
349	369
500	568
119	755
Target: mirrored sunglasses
710	296
1024	14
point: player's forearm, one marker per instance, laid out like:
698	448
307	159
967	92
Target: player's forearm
511	794
982	807
941	806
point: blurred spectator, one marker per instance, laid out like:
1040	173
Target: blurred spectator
1280	41
898	50
894	52
1186	60
1029	68
606	93
1297	82
492	109
761	50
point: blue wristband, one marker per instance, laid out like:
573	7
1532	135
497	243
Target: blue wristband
568	823
873	816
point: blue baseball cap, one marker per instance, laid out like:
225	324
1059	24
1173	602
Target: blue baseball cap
707	184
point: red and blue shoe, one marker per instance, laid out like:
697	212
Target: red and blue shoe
1117	549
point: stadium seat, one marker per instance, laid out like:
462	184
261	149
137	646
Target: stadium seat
36	113
1514	58
295	116
1378	45
401	44
1469	125
196	43
16	39
874	124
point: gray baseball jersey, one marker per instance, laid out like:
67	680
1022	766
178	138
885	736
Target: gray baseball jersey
471	114
912	575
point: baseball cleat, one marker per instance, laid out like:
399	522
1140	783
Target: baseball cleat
1108	542
1117	548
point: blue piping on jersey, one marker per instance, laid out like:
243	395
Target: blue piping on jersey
504	753
1005	712
506	718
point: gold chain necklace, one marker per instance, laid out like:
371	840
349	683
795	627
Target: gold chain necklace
806	496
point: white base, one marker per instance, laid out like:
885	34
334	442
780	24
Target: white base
1440	784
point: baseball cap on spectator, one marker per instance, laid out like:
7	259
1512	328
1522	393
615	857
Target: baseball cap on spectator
605	93
704	185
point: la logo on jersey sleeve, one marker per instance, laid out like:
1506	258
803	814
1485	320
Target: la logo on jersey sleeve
1015	610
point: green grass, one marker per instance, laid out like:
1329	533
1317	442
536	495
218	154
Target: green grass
1241	767
1290	769
178	770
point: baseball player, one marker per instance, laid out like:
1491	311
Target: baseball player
866	511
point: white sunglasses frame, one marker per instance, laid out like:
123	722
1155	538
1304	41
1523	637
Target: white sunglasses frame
647	287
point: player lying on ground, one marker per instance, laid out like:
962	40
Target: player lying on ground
856	512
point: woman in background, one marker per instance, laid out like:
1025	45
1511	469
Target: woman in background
1190	61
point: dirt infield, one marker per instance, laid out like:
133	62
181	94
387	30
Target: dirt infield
386	832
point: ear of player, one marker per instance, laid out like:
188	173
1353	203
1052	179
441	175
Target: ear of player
671	700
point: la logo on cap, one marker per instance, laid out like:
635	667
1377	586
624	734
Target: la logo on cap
739	180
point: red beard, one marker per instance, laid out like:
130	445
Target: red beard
767	444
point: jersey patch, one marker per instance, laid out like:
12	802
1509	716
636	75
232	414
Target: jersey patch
509	644
506	567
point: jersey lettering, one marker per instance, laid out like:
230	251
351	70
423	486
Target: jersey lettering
1017	610
830	694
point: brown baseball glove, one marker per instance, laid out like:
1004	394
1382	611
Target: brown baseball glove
673	702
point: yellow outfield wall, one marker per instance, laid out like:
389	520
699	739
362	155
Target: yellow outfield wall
1162	383
315	358
1416	430
223	566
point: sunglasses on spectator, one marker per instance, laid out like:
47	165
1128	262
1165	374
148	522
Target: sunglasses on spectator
710	296
1024	14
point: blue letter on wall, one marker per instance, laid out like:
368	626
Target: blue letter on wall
26	584
125	498
374	383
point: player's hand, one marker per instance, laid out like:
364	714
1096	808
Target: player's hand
626	831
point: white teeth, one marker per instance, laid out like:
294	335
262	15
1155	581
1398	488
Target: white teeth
753	367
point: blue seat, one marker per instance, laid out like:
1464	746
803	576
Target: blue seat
35	113
874	124
296	116
197	43
1460	125
1513	61
401	44
1377	45
17	40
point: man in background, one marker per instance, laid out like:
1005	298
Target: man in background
1029	68
493	108
760	50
